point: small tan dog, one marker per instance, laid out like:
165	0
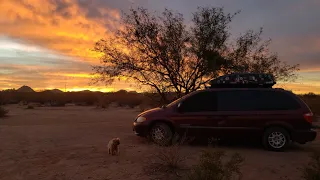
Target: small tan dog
113	146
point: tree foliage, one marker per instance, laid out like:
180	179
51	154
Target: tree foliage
166	54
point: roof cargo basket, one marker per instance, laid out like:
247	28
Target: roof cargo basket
244	80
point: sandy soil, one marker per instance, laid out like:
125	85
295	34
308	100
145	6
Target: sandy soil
70	143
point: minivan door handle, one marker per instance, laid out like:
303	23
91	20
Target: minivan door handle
221	122
213	117
219	117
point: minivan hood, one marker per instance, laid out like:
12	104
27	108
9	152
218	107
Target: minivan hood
147	112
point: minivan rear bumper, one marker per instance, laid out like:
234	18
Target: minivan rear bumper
304	136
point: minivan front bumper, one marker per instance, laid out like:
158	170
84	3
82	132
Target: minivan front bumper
304	136
140	129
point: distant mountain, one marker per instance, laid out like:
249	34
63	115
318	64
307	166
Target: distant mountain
25	89
85	91
56	91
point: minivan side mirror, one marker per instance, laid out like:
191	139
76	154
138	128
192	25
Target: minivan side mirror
179	107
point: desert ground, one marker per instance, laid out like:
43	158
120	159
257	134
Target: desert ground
59	143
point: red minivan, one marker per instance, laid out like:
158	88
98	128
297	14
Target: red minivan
274	115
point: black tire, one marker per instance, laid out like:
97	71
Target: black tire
276	139
166	136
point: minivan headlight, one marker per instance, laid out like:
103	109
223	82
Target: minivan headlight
141	119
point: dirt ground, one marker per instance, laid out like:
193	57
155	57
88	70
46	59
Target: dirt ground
71	143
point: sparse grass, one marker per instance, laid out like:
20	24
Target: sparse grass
3	112
211	167
312	170
171	156
167	160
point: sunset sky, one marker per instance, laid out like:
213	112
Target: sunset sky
46	44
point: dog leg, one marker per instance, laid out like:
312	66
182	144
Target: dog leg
118	150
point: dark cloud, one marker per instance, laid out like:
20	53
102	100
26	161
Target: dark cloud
291	24
62	5
306	60
62	8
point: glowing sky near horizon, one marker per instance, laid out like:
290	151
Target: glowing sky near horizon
46	44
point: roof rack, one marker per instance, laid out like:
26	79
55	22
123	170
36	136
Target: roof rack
244	80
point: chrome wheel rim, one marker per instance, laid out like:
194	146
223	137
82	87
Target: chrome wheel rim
277	140
158	134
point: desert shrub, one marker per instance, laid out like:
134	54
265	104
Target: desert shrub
3	99
143	107
57	104
134	102
30	107
104	102
312	170
212	167
313	102
126	99
171	157
3	112
311	95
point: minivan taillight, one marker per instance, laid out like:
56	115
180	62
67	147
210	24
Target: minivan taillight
308	117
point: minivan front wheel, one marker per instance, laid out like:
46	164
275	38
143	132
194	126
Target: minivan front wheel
276	139
161	134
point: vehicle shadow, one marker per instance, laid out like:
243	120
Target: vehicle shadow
234	144
250	144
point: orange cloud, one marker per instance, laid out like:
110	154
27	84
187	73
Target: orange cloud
71	28
61	25
300	88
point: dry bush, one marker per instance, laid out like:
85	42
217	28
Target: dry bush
104	103
213	167
30	107
3	112
143	107
23	103
127	99
36	104
171	157
312	170
313	101
57	104
134	102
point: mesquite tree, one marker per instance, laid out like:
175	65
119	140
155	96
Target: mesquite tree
168	55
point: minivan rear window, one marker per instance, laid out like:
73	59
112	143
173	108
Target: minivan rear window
255	100
276	100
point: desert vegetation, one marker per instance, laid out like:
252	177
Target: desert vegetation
3	112
313	101
122	98
312	170
213	166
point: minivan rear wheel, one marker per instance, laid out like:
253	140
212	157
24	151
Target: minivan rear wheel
161	134
276	139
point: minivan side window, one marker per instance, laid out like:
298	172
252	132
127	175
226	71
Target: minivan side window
199	102
255	100
276	100
236	100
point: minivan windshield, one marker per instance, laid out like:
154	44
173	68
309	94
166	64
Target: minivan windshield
173	102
